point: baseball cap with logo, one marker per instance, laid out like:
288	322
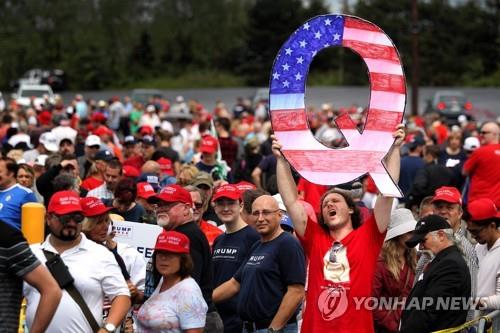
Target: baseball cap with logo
245	186
145	190
448	194
103	155
424	226
227	191
64	202
92	140
482	209
93	206
172	193
49	141
151	178
172	241
208	144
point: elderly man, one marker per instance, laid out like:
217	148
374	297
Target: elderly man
482	165
92	146
175	212
271	282
446	281
447	203
93	268
230	249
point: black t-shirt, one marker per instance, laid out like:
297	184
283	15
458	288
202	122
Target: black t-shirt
229	252
271	267
268	167
202	260
133	215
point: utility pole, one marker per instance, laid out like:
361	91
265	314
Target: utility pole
415	70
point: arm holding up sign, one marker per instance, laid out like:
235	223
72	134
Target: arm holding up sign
383	205
288	190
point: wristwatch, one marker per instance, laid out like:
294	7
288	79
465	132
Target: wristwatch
110	328
272	330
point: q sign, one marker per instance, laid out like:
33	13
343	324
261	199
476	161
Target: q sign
314	161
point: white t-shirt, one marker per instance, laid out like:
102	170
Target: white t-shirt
96	275
488	274
135	264
179	308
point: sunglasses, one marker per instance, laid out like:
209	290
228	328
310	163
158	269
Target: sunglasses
77	217
336	247
198	205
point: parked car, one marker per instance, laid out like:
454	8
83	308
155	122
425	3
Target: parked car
143	96
27	92
449	104
55	78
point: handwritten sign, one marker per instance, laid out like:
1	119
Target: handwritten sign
366	149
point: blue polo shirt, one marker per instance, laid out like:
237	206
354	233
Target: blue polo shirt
11	201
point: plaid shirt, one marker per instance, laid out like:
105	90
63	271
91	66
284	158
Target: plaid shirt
101	192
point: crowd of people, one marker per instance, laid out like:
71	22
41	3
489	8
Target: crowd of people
248	245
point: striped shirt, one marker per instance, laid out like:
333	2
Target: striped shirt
16	260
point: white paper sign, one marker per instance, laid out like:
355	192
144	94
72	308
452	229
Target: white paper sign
139	235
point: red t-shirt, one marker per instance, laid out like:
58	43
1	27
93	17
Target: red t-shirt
484	174
210	231
332	286
312	192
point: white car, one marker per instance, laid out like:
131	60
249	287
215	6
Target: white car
38	92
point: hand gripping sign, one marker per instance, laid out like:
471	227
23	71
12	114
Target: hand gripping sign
314	161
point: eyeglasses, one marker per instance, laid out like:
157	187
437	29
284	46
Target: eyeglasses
77	217
336	247
484	132
265	213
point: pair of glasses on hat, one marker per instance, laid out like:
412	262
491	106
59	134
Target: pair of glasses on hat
336	247
64	219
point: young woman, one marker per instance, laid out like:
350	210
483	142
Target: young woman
177	304
395	271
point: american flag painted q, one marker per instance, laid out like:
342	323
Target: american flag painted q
314	161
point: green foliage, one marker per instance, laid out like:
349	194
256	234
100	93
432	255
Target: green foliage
202	43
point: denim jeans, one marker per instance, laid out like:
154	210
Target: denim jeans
289	328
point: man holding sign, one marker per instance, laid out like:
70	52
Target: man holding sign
342	253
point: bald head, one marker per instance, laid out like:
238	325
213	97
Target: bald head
266	202
490	133
151	167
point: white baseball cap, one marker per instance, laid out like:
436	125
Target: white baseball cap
49	141
402	221
471	143
278	198
92	140
40	160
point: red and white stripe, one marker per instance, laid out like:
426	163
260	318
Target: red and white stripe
323	165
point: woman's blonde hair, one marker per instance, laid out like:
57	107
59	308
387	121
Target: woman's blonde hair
90	223
390	256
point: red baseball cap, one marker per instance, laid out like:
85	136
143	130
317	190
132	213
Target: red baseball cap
227	191
64	202
166	166
145	190
208	144
93	207
130	171
245	186
482	209
146	130
172	193
172	241
102	130
448	194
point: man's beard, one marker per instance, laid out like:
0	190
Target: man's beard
164	221
66	238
